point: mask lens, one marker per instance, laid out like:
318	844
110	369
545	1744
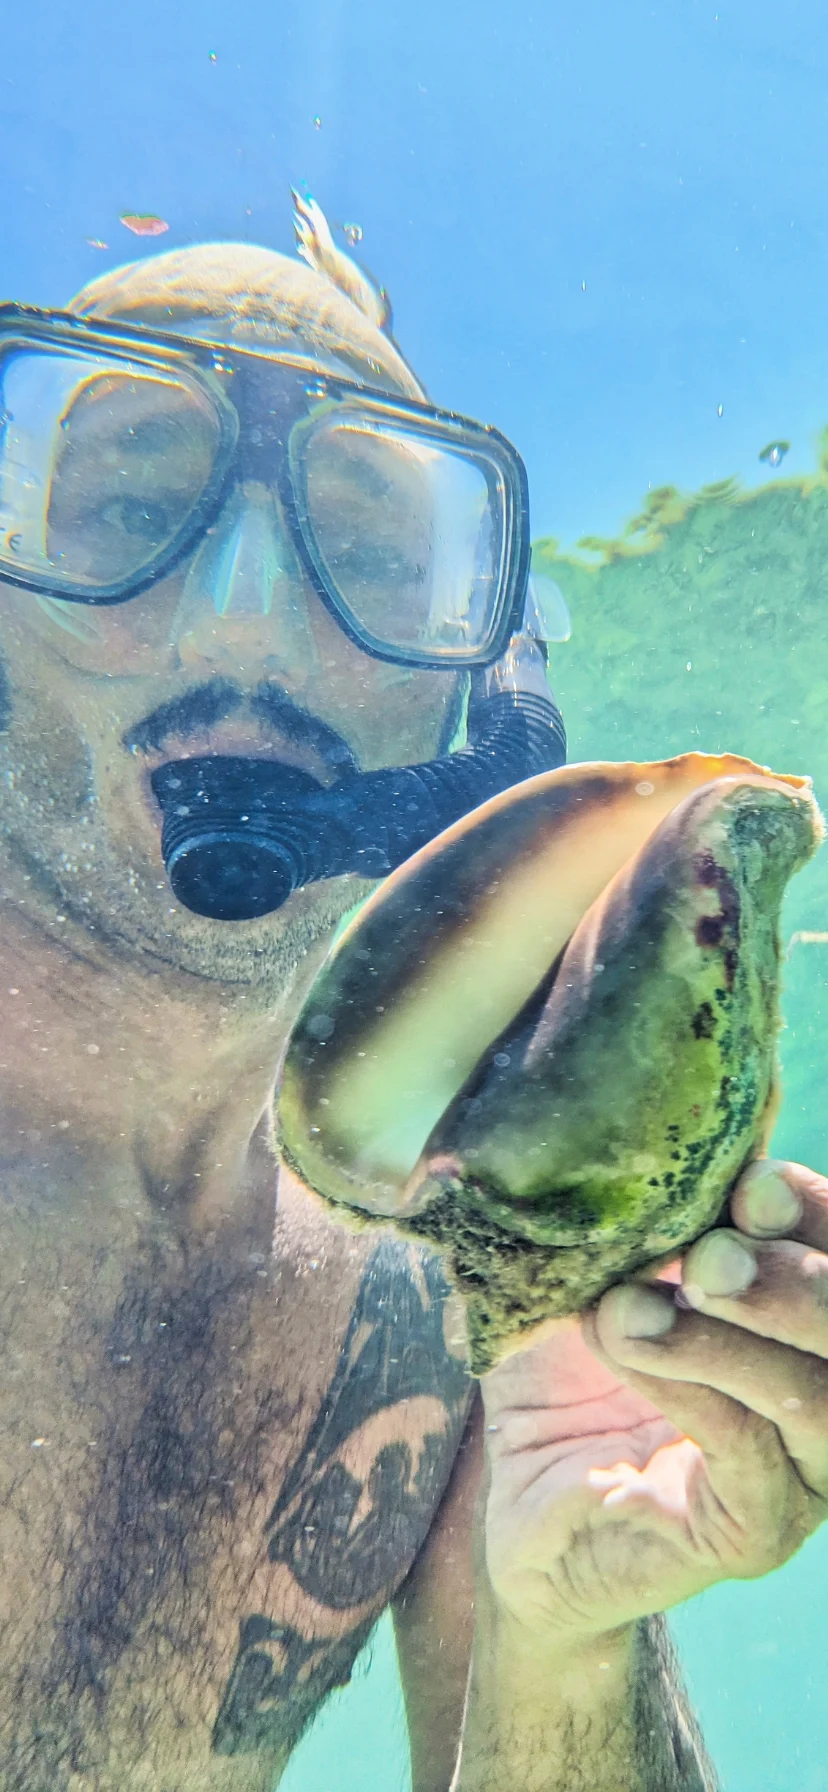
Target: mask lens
408	532
102	464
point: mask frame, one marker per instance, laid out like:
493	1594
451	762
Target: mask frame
265	404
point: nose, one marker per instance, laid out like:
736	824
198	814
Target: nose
245	593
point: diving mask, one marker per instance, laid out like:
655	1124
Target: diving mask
118	448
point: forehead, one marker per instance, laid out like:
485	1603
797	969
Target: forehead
242	295
270	342
109	370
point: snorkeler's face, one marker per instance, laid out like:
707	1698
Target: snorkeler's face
232	653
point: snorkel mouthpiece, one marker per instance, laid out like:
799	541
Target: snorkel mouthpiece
231	845
240	835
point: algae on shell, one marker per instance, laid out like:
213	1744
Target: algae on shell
619	1062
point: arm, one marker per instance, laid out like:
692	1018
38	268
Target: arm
512	1716
635	1458
611	1716
368	1470
433	1622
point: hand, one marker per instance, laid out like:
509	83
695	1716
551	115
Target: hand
673	1437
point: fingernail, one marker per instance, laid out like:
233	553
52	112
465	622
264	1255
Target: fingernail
637	1312
767	1201
718	1265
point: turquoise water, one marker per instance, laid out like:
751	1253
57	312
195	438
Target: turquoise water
753	1659
604	230
360	1735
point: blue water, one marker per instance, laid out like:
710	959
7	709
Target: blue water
360	1734
603	229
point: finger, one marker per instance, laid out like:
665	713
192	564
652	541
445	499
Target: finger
777	1289
776	1396
743	1457
774	1198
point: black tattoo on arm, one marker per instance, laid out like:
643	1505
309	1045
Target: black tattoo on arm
277	1683
349	1539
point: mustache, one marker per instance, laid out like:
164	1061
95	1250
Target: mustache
269	705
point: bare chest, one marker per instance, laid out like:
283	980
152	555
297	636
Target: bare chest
214	1468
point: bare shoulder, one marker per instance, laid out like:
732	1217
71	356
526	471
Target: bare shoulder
380	1389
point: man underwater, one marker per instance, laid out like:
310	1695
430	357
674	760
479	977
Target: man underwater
230	1440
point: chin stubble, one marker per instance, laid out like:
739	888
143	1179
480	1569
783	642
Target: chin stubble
56	841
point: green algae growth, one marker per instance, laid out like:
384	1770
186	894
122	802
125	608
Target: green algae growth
705	625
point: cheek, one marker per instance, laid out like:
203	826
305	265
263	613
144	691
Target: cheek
119	640
397	722
419	711
5	699
388	714
46	764
46	754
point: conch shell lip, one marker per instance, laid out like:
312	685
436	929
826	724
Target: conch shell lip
547	1046
454	944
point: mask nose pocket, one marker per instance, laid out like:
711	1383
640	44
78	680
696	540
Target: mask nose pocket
245	571
243	558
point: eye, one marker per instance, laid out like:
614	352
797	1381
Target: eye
365	560
137	516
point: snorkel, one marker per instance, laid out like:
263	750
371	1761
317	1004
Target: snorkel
240	835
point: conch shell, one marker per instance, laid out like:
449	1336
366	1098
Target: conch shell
547	1044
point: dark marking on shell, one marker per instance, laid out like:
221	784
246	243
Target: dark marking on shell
704	1022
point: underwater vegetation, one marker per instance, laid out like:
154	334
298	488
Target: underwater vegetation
705	625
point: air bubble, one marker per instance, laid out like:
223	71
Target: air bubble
321	1026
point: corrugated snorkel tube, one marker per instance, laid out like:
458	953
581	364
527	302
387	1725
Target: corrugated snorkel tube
240	835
